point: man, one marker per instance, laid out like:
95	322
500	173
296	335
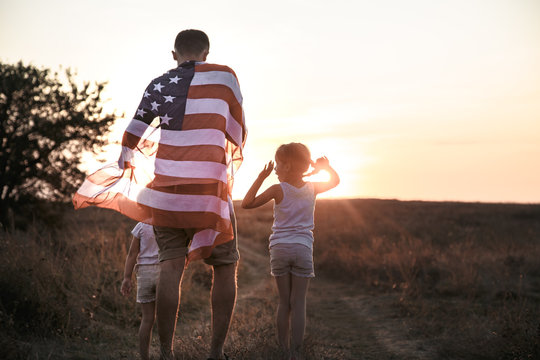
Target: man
178	177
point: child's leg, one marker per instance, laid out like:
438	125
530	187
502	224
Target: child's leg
284	310
299	286
145	330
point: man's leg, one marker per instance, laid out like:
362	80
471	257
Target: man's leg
168	299
223	300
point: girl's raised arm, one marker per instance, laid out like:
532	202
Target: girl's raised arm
323	164
273	192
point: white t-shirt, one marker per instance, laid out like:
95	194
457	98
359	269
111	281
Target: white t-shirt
148	248
293	216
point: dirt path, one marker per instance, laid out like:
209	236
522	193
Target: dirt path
363	326
342	322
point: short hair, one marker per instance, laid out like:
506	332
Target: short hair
191	42
297	154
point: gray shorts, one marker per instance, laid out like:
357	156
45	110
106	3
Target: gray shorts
147	279
296	259
174	243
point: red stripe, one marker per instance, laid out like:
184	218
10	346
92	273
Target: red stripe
174	185
204	121
129	140
158	217
218	91
164	183
191	153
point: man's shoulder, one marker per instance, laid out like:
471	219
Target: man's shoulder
166	75
204	67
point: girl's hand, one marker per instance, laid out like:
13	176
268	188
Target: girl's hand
267	170
126	287
322	163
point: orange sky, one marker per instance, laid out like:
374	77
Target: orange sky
410	100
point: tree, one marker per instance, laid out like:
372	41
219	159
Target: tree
47	122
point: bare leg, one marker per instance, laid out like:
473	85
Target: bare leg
168	299
284	311
145	330
223	300
299	286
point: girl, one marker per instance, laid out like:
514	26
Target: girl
143	252
291	242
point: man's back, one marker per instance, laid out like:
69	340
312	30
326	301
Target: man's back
179	174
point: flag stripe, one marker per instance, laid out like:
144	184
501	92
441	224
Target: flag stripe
198	106
217	79
157	199
140	212
204	121
138	130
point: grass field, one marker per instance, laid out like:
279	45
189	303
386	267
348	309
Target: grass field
395	280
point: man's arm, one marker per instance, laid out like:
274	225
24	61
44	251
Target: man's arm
144	115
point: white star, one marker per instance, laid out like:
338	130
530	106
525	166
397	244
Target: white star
174	79
146	94
158	87
169	98
140	112
154	105
165	119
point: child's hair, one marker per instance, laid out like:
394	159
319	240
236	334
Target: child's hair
191	42
296	154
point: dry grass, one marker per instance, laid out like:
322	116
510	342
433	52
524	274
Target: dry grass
394	280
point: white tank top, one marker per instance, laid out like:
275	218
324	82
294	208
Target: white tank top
293	216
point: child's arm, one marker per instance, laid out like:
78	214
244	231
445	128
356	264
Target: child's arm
323	164
131	259
273	192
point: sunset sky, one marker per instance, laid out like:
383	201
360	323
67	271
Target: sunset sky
424	100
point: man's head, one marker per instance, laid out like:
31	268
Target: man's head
191	45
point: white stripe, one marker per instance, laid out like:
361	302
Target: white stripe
207	106
191	169
216	106
193	137
234	130
218	78
157	199
137	127
176	137
203	238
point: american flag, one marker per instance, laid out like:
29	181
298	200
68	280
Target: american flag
178	173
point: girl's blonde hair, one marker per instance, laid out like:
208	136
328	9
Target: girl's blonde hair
296	154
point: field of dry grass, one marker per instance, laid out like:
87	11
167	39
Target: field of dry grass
395	280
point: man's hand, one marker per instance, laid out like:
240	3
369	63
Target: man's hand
125	289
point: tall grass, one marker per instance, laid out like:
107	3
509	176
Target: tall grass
465	278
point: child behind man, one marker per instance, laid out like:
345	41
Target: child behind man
291	242
143	252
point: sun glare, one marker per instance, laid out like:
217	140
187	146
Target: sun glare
338	154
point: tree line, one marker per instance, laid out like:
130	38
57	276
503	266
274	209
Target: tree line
47	121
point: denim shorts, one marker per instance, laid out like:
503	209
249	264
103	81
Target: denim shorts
295	259
147	279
